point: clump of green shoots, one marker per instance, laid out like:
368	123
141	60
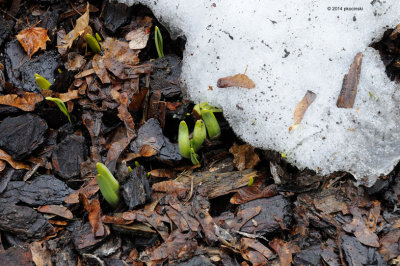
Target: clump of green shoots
60	105
159	42
109	186
93	43
188	147
42	83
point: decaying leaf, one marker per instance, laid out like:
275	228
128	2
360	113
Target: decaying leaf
57	210
41	254
33	39
75	61
348	93
301	108
16	165
253	192
88	190
256	245
389	244
244	156
284	250
168	173
238	80
94	210
138	38
81	24
26	103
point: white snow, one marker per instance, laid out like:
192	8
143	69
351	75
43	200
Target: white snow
223	37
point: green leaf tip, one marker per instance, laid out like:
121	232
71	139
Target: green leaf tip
60	104
199	135
93	43
212	125
251	181
183	140
42	83
109	186
159	42
193	157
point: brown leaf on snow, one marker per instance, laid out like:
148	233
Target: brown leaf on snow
57	210
138	38
14	164
244	156
348	93
284	250
26	103
253	192
301	108
88	190
238	80
33	39
81	24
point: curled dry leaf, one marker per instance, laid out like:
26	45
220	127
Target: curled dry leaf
238	80
81	24
284	250
138	38
348	93
301	108
26	103
33	39
57	210
244	156
16	165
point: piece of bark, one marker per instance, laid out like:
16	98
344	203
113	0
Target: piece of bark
84	239
348	93
16	256
136	191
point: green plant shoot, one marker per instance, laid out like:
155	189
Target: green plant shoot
199	135
159	42
60	105
193	157
212	125
42	83
98	38
93	43
183	140
109	186
251	181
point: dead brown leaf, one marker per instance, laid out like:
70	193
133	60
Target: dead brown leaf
100	69
75	61
170	187
348	93
238	80
168	173
244	156
301	108
94	210
81	24
242	217
41	254
26	103
88	190
284	250
114	220
172	106
256	245
33	39
138	38
16	165
57	210
137	99
253	192
389	245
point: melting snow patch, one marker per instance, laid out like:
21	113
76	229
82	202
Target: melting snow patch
291	47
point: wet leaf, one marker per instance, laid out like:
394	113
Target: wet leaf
284	250
81	24
26	103
33	39
301	108
238	80
348	93
57	210
244	156
16	165
253	192
138	38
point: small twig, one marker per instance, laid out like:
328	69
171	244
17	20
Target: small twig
191	191
30	173
73	7
6	13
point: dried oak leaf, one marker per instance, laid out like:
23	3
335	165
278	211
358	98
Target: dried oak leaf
244	156
57	210
33	39
238	80
26	103
138	38
348	93
81	24
14	164
284	250
301	108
